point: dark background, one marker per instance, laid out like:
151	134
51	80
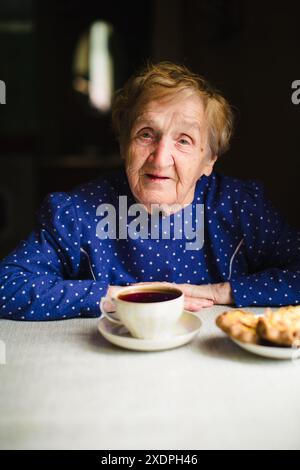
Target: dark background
51	138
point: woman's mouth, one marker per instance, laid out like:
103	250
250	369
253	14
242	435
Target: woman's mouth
153	177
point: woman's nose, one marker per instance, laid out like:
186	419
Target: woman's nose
162	154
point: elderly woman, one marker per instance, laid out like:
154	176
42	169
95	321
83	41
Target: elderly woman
172	126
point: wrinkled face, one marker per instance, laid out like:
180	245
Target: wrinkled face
168	151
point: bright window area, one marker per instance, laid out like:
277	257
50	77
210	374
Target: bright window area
93	69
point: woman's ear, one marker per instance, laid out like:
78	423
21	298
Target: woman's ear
209	166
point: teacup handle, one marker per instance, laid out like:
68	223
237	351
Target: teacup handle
108	314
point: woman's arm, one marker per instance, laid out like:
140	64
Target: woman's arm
272	247
39	280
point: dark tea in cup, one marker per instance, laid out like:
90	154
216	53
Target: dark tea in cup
145	297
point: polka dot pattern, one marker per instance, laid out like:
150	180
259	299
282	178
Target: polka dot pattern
64	268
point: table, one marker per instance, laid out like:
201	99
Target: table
65	387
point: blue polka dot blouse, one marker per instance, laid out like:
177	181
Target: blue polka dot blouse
64	267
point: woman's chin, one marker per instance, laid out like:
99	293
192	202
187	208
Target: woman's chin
157	199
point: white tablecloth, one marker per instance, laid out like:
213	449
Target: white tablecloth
64	386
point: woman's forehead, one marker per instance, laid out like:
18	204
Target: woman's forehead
186	110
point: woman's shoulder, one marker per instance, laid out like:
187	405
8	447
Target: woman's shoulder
235	196
236	187
104	186
102	189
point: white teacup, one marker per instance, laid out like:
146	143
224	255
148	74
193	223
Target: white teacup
147	312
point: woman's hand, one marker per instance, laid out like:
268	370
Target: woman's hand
206	295
108	305
195	297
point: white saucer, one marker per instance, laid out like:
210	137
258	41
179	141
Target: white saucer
184	331
274	352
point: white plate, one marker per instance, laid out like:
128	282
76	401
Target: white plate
184	331
274	352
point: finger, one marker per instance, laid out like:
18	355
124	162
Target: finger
201	302
192	308
109	306
190	304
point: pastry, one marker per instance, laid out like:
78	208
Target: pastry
239	324
280	327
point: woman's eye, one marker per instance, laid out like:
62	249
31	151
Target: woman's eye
145	135
184	141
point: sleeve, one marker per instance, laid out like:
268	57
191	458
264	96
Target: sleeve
39	280
273	252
